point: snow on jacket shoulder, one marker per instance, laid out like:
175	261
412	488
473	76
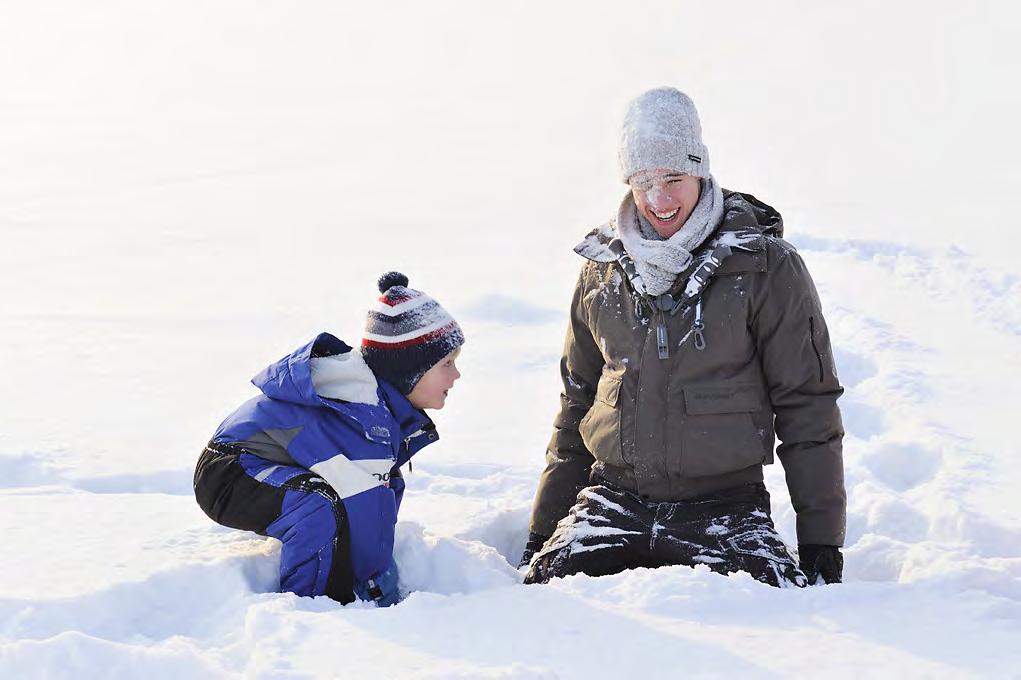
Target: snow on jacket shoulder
356	446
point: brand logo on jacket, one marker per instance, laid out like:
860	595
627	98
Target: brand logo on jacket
715	396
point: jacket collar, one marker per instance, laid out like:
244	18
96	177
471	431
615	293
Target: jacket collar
745	224
411	420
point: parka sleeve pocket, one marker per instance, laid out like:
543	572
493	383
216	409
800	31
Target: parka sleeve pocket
719	435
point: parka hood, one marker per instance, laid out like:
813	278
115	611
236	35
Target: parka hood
748	211
290	378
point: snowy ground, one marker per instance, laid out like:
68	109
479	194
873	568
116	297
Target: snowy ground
188	192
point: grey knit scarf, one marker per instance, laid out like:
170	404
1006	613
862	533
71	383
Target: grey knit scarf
659	261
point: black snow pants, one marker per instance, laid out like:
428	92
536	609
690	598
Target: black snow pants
610	530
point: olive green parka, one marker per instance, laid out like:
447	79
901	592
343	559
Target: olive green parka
681	395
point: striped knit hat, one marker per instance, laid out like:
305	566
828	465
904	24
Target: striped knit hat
407	333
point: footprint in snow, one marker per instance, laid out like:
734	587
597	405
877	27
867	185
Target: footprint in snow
903	466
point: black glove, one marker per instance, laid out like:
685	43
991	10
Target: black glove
534	545
821	561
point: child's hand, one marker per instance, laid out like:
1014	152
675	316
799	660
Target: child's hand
382	588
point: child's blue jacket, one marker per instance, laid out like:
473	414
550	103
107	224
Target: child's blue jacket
358	448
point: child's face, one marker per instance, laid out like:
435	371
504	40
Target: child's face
431	390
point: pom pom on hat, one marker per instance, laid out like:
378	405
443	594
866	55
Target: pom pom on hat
391	279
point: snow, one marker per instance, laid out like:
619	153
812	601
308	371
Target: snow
190	191
606	502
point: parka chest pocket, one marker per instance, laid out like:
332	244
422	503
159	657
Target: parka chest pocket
600	428
719	435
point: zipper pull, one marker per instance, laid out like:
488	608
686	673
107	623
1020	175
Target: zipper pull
697	327
663	303
662	338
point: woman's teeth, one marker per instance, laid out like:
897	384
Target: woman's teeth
665	216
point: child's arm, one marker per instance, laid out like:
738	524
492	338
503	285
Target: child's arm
369	503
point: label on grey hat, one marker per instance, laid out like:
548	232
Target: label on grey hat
693	157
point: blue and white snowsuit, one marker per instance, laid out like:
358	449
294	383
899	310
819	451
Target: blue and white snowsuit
322	475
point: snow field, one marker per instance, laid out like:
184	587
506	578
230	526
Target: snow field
191	190
933	572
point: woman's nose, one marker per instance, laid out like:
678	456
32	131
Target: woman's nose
661	201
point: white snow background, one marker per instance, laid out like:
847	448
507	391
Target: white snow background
189	190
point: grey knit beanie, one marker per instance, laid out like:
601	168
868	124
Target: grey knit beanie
662	130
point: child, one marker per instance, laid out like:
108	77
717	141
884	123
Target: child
315	459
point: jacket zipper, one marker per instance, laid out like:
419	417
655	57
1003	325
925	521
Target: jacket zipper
407	446
634	429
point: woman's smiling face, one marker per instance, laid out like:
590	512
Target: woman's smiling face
665	198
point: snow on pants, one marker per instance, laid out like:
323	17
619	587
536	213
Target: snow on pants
242	491
610	530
